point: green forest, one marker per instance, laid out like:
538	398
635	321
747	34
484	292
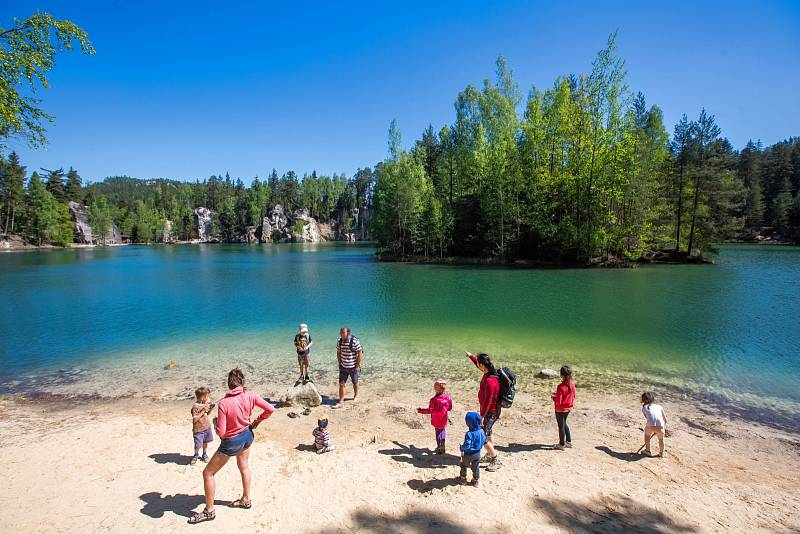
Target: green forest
580	171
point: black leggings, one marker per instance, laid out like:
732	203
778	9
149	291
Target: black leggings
563	428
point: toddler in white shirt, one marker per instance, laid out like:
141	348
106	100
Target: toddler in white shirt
656	422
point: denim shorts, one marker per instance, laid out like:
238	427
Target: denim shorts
202	437
236	444
344	372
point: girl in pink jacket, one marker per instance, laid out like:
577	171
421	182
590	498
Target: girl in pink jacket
438	406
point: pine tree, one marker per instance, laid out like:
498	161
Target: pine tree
55	184
74	187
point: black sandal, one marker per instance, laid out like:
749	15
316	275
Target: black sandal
200	517
241	503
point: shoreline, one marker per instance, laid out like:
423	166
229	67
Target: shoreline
271	379
126	462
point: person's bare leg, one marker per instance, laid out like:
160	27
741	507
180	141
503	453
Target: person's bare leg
341	394
490	447
244	468
214	465
648	435
355	392
660	434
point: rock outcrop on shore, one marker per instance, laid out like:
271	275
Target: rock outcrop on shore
204	225
299	227
83	230
13	242
309	229
304	394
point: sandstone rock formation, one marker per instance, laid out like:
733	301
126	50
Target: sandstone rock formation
168	237
249	235
310	229
265	230
204	224
83	230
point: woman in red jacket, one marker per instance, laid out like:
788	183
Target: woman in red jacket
236	432
563	399
488	398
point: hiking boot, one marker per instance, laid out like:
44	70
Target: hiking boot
568	444
558	447
494	465
485	459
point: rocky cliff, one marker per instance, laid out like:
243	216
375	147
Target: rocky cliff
204	225
83	230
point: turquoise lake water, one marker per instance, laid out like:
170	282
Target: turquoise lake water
731	329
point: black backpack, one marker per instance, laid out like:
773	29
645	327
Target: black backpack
508	381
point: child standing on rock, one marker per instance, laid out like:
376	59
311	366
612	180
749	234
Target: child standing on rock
563	399
302	344
438	406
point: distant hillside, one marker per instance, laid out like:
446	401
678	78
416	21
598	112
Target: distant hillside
125	190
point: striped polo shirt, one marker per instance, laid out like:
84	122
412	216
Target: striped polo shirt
348	351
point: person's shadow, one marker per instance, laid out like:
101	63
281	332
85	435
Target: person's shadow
171	458
624	456
418	457
156	505
423	486
519	447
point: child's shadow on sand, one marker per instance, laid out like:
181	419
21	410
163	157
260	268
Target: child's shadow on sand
625	456
170	458
155	504
425	487
303	447
418	457
519	447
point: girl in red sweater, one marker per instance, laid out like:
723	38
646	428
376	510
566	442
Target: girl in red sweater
564	398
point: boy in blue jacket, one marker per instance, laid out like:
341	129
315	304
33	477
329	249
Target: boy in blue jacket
474	440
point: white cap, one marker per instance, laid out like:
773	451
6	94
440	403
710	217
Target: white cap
303	328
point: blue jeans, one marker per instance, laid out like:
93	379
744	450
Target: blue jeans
473	462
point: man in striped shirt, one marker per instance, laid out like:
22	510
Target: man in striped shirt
349	354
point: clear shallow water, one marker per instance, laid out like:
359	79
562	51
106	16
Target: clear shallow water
119	314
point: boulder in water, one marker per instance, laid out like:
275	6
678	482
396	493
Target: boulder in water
305	395
548	373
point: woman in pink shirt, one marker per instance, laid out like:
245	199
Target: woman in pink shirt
236	432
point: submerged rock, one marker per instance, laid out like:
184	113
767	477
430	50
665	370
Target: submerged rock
305	395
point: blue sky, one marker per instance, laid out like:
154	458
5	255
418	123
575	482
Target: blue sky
186	90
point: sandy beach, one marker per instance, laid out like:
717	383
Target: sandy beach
122	465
